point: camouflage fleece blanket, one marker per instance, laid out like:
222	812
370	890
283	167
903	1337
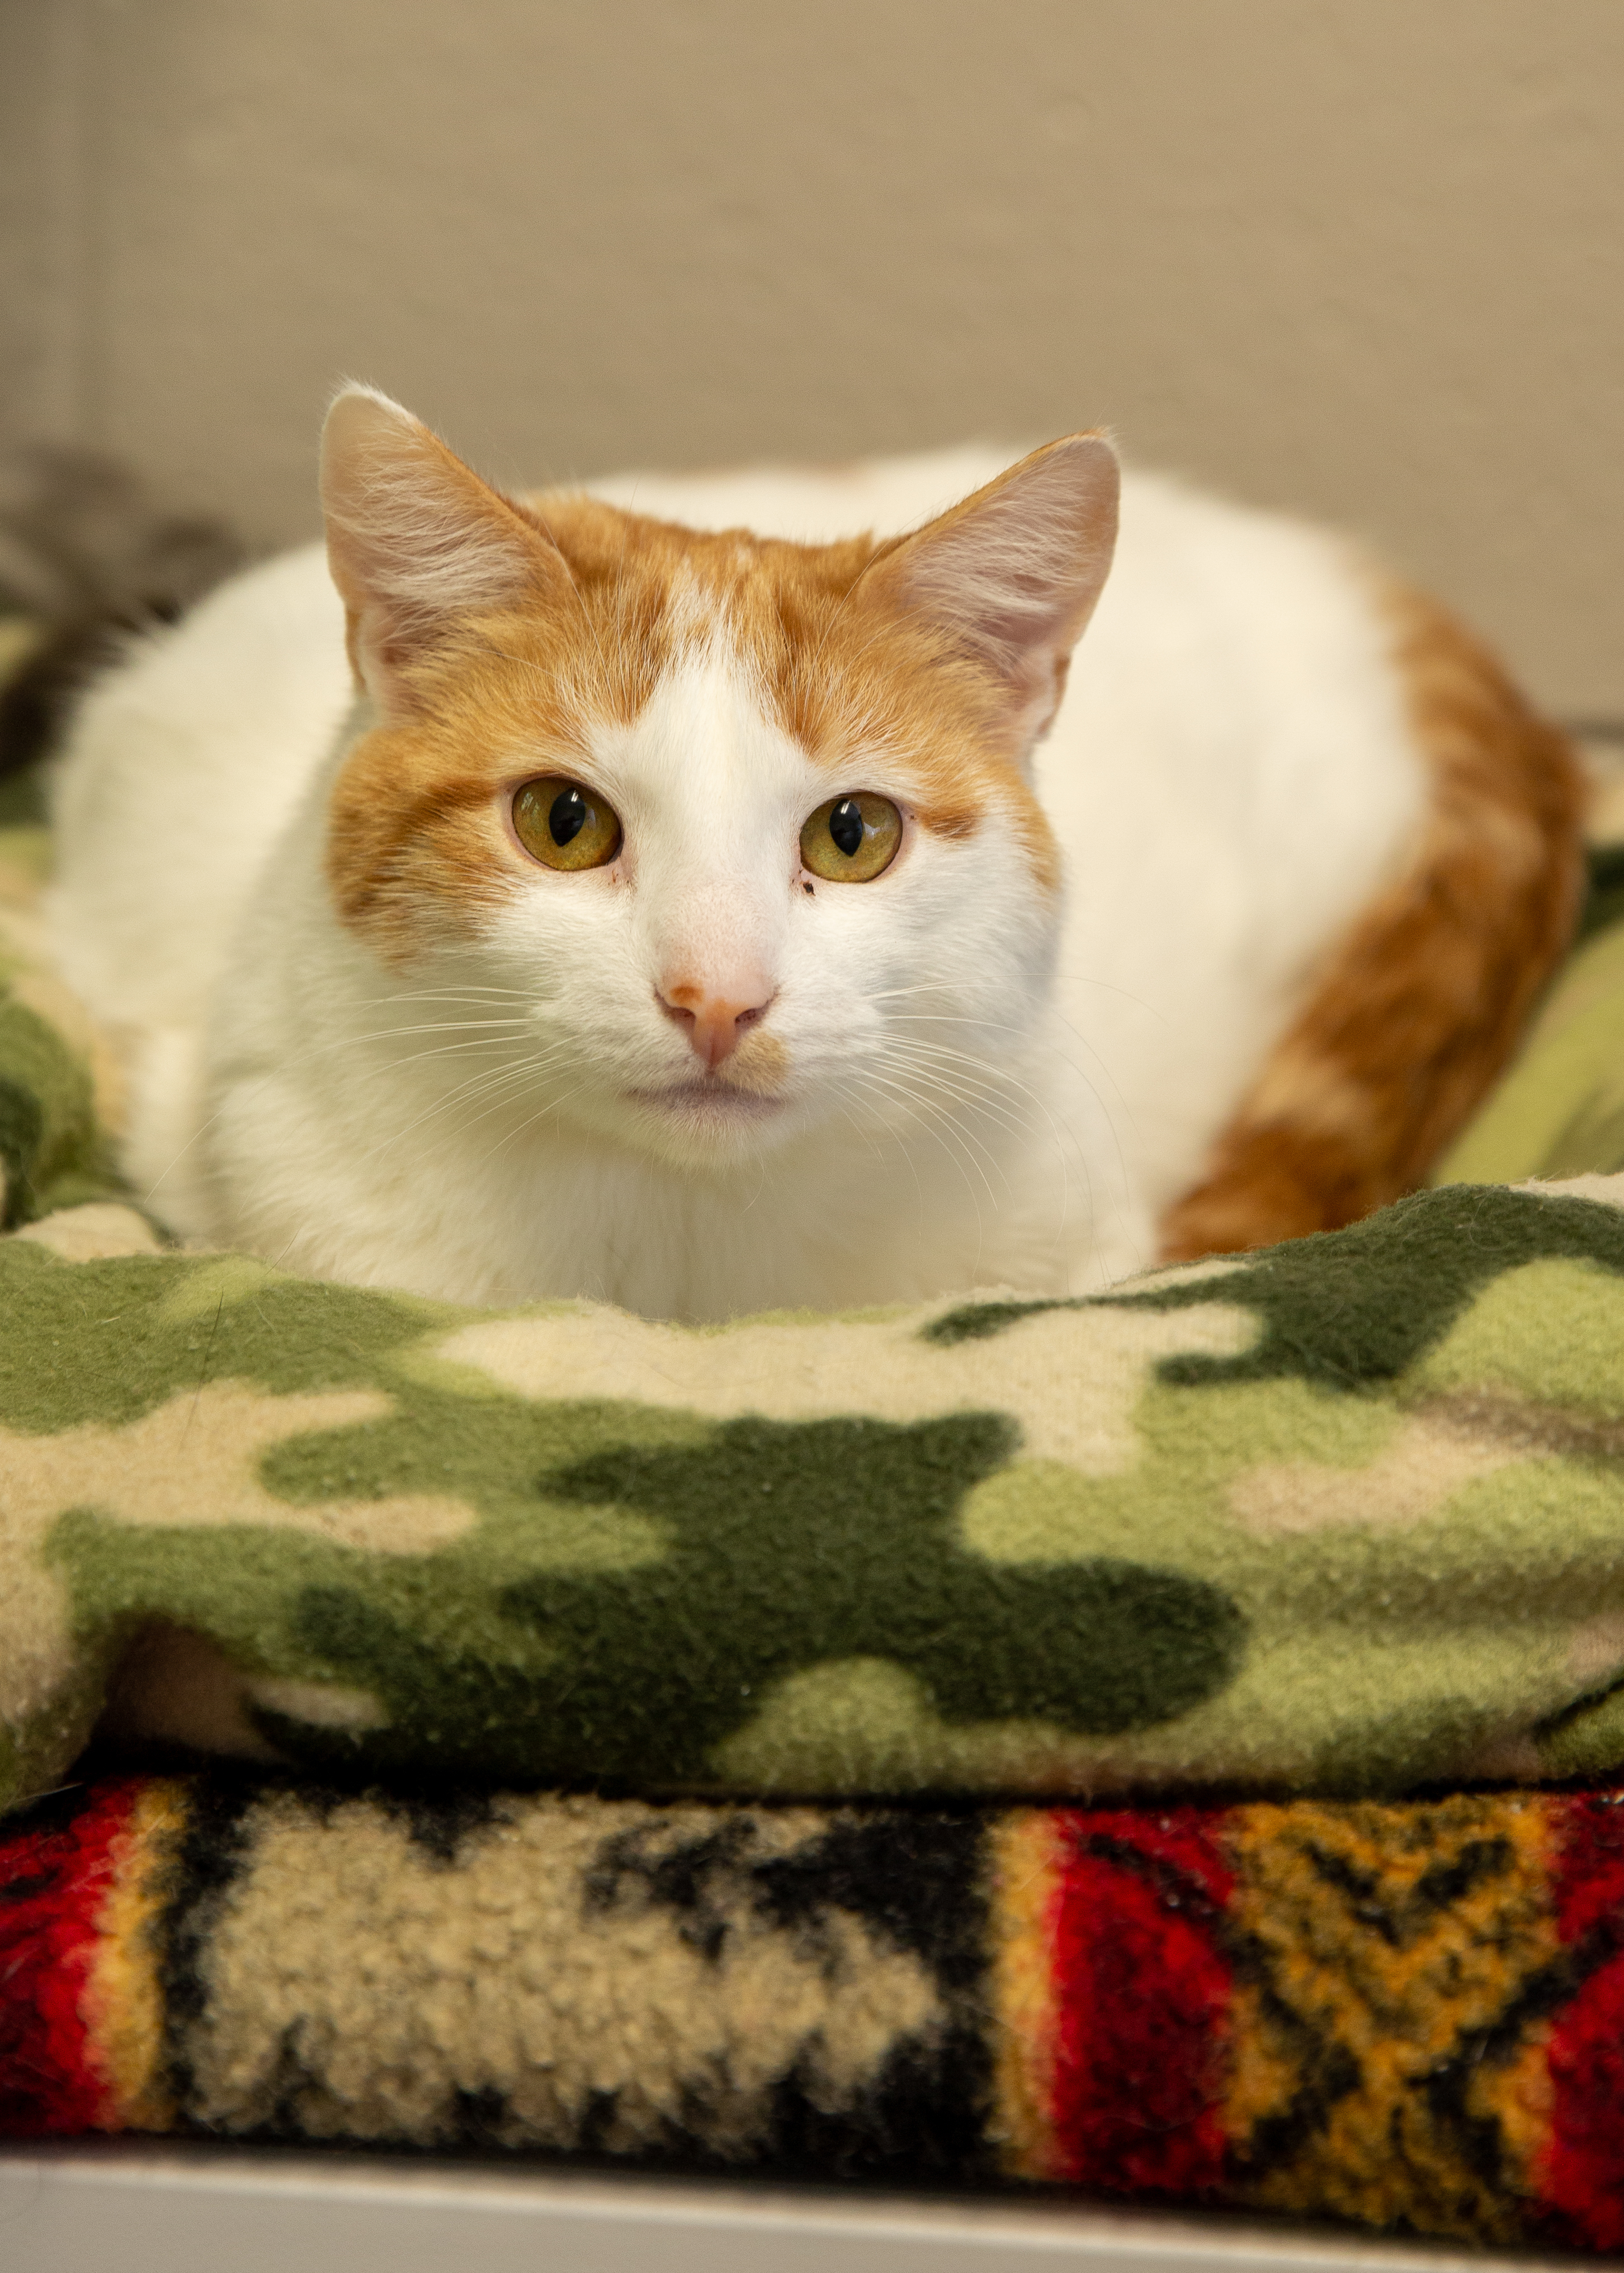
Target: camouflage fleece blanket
1346	1516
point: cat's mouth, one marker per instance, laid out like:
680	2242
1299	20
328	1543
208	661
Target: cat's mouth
715	1103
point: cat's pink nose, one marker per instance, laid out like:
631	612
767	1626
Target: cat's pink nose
715	1024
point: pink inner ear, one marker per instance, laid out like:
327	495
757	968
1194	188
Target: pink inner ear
416	540
1013	574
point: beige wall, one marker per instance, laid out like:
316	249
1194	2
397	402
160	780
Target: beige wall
1365	257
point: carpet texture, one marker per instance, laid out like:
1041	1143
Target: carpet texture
1406	2015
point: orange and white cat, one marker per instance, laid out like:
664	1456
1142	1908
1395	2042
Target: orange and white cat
676	897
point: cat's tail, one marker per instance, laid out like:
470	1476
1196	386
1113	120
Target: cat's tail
88	555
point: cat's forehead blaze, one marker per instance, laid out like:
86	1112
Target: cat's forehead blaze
412	817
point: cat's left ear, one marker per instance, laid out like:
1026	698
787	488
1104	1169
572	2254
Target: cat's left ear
417	542
1011	575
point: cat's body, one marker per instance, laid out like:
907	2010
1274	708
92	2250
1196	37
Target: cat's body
951	1075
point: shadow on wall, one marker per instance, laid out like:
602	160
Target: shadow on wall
87	552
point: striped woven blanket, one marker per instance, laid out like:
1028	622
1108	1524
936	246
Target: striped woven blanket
1407	2015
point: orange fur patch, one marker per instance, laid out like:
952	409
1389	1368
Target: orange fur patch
758	1065
1417	1008
414	826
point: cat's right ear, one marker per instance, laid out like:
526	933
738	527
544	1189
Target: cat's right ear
416	541
1008	579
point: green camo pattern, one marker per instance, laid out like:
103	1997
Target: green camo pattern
1346	1516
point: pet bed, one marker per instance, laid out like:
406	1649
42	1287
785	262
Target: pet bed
1303	1531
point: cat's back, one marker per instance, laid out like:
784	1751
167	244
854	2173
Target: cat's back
180	769
812	504
1216	620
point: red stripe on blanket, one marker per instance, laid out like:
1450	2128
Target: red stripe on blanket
1582	2170
54	1877
1144	1998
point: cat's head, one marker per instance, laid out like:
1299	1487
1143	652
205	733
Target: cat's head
740	833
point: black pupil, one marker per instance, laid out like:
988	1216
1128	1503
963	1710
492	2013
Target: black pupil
845	826
567	817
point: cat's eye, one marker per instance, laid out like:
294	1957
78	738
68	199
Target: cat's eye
564	825
851	839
